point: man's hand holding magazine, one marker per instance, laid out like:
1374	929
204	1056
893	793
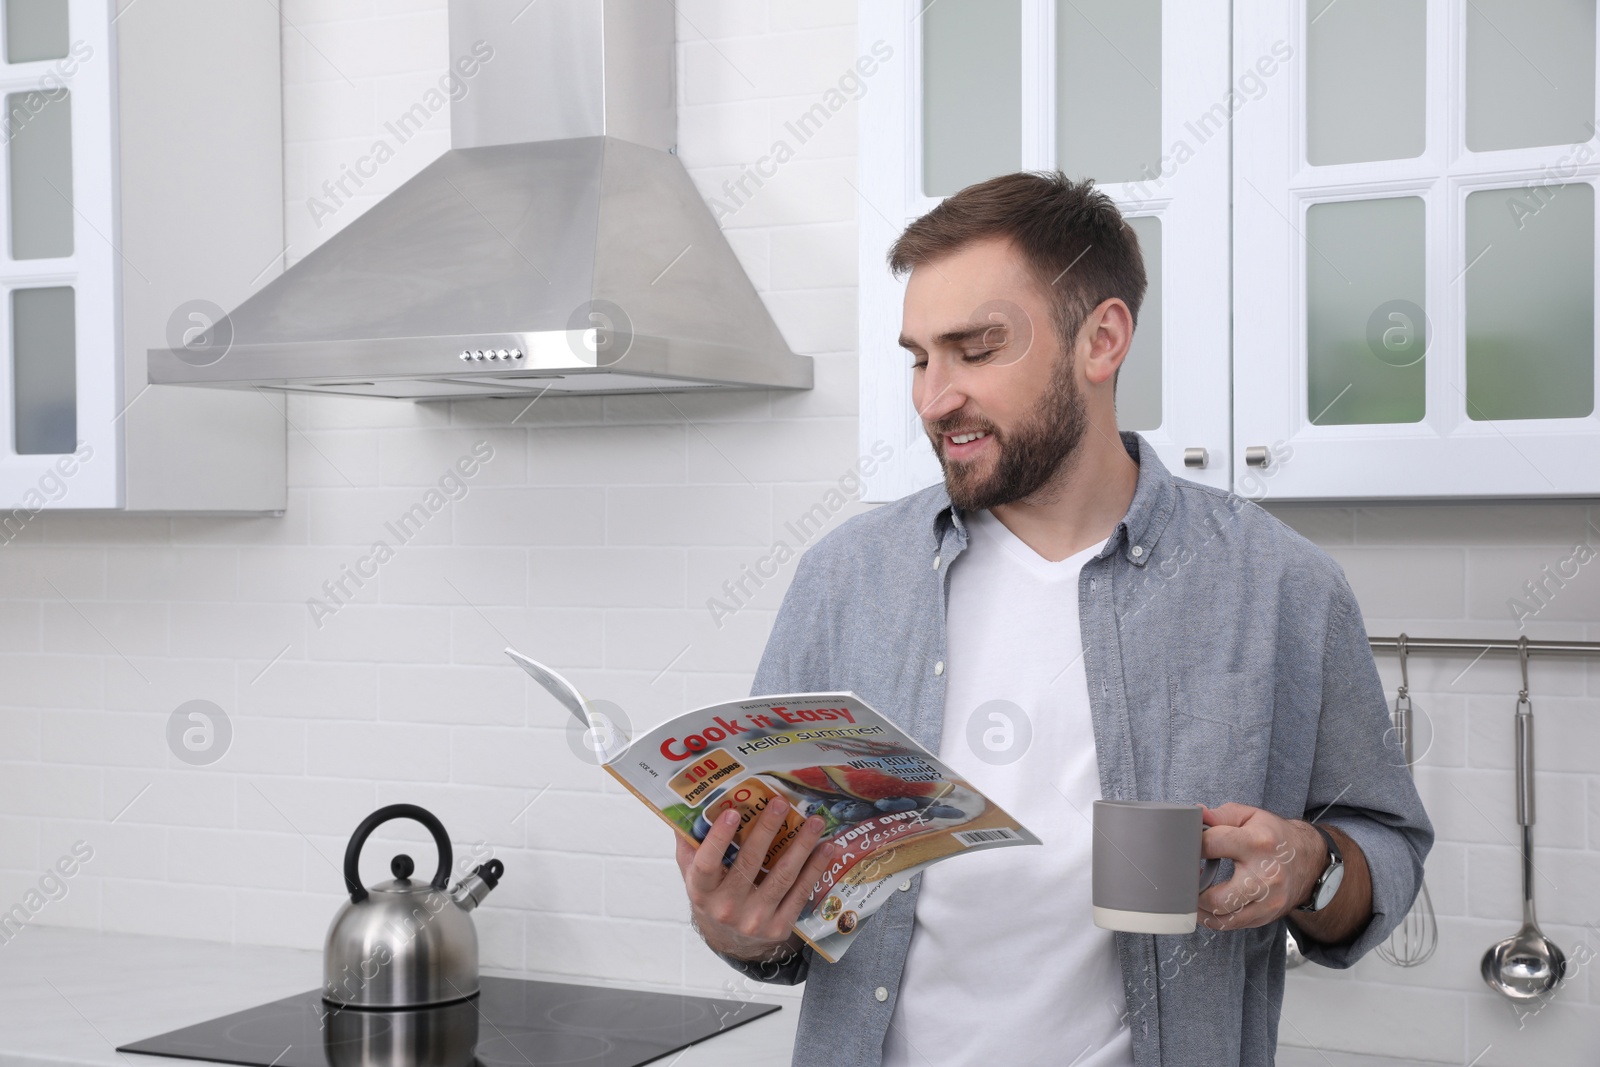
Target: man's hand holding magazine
739	912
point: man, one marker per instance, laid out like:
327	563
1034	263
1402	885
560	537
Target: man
1153	638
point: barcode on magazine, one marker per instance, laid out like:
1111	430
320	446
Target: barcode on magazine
983	837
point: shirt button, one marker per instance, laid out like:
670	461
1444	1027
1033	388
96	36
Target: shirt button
1138	550
881	993
905	886
1091	583
936	561
938	668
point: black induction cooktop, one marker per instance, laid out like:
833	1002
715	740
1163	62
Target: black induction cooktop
511	1022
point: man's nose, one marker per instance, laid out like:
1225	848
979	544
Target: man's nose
937	395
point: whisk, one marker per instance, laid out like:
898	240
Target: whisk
1414	940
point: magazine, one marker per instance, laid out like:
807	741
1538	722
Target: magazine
889	803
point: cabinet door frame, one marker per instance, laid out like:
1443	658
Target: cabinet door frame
1190	198
1446	455
29	483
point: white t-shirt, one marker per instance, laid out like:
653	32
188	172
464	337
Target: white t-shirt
1006	965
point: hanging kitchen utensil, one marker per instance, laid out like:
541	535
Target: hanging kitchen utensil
405	944
1414	940
1527	964
1292	956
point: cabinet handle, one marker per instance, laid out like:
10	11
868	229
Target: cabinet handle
1257	456
1196	457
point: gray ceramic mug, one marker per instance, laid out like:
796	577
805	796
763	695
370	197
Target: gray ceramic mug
1146	865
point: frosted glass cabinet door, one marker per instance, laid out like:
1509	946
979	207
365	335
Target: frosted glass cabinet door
1108	89
1530	73
1365	312
35	30
39	169
971	92
44	387
60	361
1365	66
1530	304
1414	251
1139	377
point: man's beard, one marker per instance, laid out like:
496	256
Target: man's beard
1030	455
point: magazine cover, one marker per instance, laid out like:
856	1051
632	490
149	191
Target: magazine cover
887	801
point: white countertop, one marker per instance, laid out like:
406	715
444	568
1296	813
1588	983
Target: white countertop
72	996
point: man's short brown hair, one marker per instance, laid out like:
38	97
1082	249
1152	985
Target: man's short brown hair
1070	234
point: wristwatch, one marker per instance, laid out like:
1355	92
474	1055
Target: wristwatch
1328	884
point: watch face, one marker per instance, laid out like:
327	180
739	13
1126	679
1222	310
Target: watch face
1326	891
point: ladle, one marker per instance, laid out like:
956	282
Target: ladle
1526	965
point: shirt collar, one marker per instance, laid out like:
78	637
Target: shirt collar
1140	528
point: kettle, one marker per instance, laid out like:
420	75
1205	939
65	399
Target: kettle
405	944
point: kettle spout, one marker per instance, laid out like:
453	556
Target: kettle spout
470	891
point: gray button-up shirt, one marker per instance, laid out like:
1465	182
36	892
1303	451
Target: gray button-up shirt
1227	660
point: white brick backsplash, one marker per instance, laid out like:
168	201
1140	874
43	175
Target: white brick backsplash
625	455
237	631
570	636
167	909
645	889
382	633
236	857
606	577
566	882
54	681
19	843
21	628
616	825
303	805
380	751
126	628
333	459
582	945
171	574
424	458
592	540
273	917
453	696
1394	1020
522	758
495	817
103	738
48	573
691	515
532	516
360	519
765	66
783	452
121	849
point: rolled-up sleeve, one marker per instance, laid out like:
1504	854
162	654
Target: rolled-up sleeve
793	662
1360	782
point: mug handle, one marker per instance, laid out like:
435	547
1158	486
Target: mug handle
1208	872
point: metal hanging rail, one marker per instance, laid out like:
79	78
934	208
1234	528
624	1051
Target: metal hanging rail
1471	647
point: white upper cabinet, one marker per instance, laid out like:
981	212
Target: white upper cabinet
1135	94
141	176
1414	226
59	401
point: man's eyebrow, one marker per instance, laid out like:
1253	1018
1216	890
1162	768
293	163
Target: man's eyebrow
957	335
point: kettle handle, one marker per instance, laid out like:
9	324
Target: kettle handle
352	852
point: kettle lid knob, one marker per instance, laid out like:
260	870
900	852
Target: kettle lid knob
401	866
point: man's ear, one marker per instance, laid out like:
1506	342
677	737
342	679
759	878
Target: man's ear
1109	333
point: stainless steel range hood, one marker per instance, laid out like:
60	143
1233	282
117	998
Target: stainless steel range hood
557	246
